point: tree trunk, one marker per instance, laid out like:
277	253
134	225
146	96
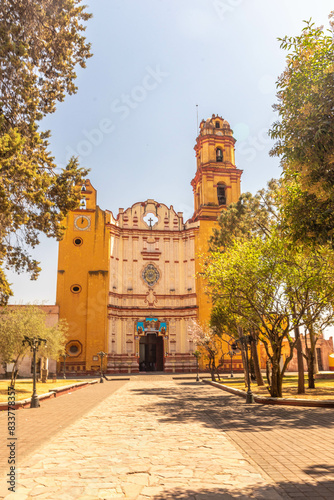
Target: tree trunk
243	356
15	371
276	385
212	368
310	366
268	373
311	359
276	374
258	374
300	362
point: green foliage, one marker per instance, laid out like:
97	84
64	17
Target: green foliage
41	43
305	134
16	322
261	282
250	216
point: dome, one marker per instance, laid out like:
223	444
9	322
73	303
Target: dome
215	125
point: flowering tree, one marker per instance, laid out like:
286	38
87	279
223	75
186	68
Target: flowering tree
210	346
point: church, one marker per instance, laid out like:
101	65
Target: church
128	284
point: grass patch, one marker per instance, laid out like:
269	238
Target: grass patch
23	388
324	388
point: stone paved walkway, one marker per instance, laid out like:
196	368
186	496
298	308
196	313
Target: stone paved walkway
37	426
164	439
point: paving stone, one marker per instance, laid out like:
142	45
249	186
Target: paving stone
160	437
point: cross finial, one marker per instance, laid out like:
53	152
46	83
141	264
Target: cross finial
150	221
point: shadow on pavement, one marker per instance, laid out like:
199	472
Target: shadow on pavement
230	412
320	490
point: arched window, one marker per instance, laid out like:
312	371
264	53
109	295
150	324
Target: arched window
219	154
221	194
217	125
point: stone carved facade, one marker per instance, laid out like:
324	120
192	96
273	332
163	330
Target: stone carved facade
152	275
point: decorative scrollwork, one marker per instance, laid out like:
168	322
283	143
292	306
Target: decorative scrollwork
151	274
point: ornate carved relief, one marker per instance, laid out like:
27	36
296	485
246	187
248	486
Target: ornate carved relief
150	275
150	298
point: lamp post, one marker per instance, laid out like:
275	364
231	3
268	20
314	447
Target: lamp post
65	356
245	340
34	343
197	355
101	354
231	353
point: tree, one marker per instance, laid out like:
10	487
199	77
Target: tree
227	323
319	295
274	288
259	216
20	321
305	134
248	279
254	216
41	43
251	216
209	345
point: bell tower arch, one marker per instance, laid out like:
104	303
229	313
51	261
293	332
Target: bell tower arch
216	184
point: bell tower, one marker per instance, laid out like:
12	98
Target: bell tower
215	185
217	180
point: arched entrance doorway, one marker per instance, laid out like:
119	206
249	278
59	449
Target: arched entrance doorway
151	353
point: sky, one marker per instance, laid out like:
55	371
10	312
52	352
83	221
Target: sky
156	63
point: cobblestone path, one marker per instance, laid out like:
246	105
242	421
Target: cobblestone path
160	438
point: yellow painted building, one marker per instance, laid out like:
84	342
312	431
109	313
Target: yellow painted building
126	283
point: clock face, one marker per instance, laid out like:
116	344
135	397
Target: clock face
82	222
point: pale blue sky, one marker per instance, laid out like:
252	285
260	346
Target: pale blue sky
133	120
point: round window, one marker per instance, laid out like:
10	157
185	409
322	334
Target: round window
78	241
75	288
74	348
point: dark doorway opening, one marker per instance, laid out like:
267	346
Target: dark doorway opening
151	353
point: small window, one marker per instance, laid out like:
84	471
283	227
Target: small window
74	348
219	154
221	195
78	241
75	288
217	124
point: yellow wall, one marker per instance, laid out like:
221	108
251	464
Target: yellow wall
85	265
209	174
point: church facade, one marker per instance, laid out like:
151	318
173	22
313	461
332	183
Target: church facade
128	284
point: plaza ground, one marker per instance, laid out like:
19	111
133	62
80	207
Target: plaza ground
158	437
324	387
24	387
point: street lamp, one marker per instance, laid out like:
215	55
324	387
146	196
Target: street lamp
34	343
65	356
101	354
232	353
197	355
245	340
233	347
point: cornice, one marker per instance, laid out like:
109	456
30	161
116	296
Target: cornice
133	231
209	170
141	296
